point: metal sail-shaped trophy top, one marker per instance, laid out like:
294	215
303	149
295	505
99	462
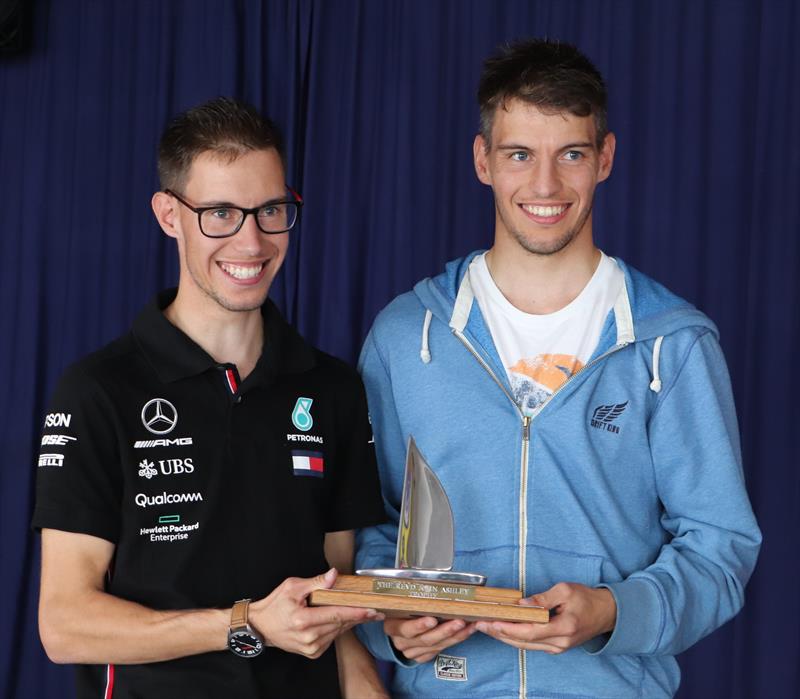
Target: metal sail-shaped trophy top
425	533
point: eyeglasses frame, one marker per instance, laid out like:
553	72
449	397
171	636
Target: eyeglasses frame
200	210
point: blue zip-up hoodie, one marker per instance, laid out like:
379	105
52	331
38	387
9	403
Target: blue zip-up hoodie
629	478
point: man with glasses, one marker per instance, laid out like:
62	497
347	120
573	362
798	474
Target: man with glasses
207	457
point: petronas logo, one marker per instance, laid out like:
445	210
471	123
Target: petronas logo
301	415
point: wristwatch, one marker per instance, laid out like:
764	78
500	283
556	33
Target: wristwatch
242	638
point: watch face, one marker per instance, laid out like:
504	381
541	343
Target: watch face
245	644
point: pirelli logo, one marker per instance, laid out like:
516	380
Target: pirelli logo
51	460
148	443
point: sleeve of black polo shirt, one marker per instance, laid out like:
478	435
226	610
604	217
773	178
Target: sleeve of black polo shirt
357	498
78	482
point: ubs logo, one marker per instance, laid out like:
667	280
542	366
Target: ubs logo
159	416
167	467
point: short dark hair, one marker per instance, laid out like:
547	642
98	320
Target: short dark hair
223	125
551	75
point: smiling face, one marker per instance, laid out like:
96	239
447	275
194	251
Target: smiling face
233	273
543	169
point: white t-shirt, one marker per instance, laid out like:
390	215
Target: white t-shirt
540	352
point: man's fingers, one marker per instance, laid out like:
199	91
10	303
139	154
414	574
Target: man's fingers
553	633
428	644
335	628
336	616
443	633
517	631
409	628
528	638
441	640
316	644
552	598
425	631
299	588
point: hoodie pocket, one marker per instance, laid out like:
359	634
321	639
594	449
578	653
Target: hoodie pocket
547	566
576	673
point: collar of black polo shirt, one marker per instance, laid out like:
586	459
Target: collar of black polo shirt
174	355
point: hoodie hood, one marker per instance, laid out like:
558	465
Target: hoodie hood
644	311
655	311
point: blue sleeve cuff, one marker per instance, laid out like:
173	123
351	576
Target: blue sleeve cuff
640	620
378	643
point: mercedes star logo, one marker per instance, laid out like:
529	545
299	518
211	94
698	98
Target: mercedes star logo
159	416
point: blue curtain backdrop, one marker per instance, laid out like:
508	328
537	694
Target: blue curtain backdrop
377	101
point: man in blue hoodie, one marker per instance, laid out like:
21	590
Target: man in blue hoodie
578	414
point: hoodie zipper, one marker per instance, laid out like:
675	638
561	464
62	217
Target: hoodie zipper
524	458
523	533
523	494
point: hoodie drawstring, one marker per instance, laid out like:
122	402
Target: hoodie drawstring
424	352
655	384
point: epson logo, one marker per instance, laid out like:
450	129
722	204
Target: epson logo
165	498
148	443
58	420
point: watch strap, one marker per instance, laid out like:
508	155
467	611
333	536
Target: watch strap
239	614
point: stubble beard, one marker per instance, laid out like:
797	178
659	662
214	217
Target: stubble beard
223	302
545	248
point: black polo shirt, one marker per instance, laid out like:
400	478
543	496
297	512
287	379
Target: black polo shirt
213	489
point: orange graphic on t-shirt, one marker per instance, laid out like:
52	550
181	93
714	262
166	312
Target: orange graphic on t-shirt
550	370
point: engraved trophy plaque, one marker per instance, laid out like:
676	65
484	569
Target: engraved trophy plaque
422	583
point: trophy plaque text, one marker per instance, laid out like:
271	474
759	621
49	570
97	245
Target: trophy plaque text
422	583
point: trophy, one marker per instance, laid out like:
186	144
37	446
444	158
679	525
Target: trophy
422	583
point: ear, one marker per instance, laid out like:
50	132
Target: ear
480	157
607	156
164	207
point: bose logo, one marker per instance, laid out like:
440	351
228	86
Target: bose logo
57	439
58	420
165	498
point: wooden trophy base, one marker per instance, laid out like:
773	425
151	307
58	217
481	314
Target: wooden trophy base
405	597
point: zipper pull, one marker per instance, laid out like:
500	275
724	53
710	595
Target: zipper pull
526	427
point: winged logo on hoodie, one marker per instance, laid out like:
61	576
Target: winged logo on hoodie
604	415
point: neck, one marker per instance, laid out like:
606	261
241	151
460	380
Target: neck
229	337
541	284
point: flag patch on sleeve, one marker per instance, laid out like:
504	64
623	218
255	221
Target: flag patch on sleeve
308	463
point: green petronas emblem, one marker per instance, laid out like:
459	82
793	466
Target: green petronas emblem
301	415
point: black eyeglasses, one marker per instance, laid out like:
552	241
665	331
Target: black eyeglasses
223	221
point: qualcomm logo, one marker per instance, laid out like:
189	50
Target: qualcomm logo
165	498
159	416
